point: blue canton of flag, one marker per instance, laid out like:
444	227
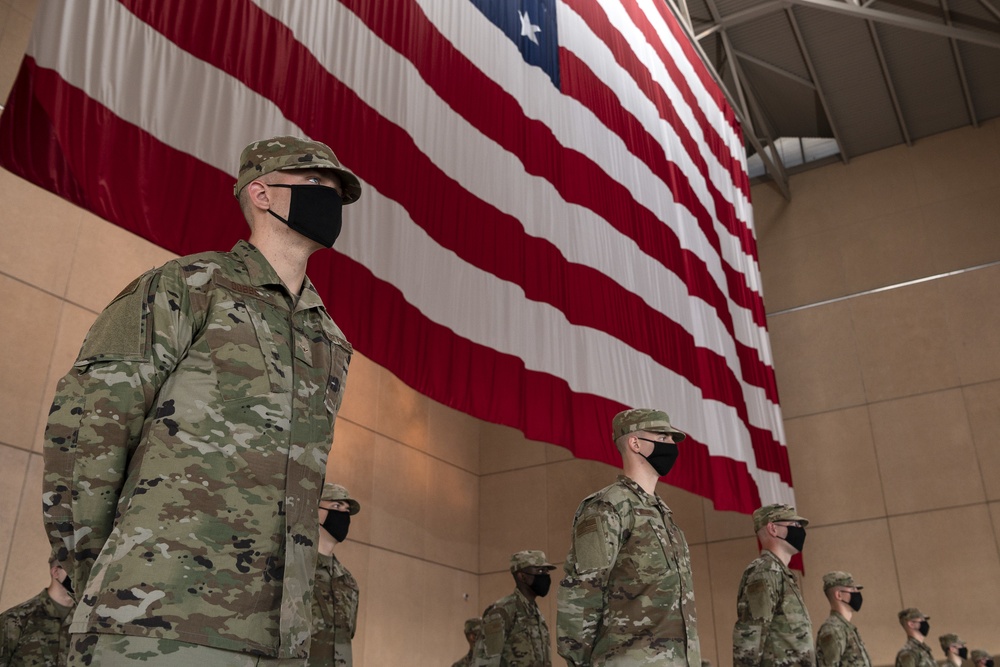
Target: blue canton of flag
531	24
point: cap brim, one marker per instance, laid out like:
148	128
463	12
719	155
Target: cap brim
679	436
353	506
349	183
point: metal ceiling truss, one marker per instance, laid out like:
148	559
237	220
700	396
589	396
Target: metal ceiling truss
773	166
888	83
961	69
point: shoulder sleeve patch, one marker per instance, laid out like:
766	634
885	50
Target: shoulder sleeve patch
591	544
122	330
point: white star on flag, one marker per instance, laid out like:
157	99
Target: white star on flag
527	29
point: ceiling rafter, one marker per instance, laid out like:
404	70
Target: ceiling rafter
980	37
776	172
819	89
774	68
877	43
961	68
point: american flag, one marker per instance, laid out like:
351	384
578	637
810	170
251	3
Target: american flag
556	221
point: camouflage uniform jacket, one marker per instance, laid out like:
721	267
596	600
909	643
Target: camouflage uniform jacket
628	596
915	654
185	454
838	644
772	626
335	614
467	661
514	634
34	633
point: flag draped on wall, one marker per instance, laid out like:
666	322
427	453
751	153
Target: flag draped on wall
556	220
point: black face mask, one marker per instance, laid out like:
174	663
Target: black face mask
540	585
315	212
963	653
67	583
796	537
337	523
925	627
855	601
989	663
662	457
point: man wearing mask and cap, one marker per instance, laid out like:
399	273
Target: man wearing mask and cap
36	632
772	625
627	597
335	601
186	448
471	629
981	658
915	653
514	632
838	643
955	650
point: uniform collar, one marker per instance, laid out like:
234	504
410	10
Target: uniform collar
261	274
523	600
917	644
840	617
648	499
53	608
784	568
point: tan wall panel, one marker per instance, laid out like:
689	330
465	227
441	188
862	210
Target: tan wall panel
816	360
360	403
925	453
351	464
399	490
13	471
972	309
903	342
841	483
30	322
513	515
950	569
504	448
982	403
27	566
726	562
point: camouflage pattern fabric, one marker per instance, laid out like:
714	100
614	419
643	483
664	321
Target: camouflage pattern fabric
99	650
467	661
335	614
514	634
915	654
285	153
185	455
34	633
772	626
627	597
838	644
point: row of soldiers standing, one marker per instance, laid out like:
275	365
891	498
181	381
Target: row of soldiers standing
627	597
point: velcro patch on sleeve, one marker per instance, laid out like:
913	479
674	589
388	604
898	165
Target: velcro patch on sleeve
591	545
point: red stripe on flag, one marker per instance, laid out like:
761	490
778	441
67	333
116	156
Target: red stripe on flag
499	116
453	370
599	24
435	198
704	76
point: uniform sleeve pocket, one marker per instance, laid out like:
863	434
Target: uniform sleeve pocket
122	331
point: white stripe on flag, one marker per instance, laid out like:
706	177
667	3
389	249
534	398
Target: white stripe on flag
460	150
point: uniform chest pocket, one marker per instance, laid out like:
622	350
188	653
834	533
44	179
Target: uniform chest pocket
642	555
340	358
240	343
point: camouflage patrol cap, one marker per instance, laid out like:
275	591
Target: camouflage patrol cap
472	626
653	421
776	512
284	153
333	491
978	654
838	578
530	558
949	639
911	614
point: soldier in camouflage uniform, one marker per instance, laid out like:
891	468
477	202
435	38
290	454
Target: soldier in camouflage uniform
772	624
35	633
981	658
471	629
915	653
335	603
627	597
186	448
514	632
955	650
838	643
